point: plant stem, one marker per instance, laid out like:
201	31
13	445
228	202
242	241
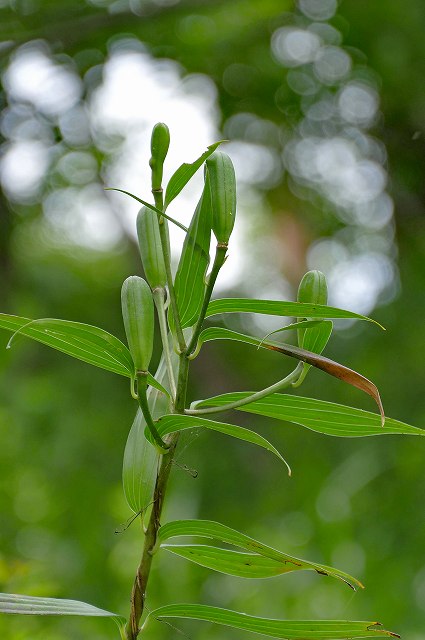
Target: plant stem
159	297
220	257
277	386
138	594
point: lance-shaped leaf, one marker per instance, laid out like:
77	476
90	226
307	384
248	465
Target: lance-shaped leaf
262	561
31	605
158	212
82	341
189	283
285	629
316	360
318	415
176	422
184	173
280	308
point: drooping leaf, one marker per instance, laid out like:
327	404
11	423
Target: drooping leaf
140	465
176	422
316	360
318	415
82	341
31	605
150	206
302	324
262	561
285	629
189	283
184	173
141	458
280	308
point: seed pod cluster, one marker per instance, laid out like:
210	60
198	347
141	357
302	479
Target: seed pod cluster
160	141
150	248
138	316
221	176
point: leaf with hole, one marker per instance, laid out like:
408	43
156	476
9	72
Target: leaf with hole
262	561
285	629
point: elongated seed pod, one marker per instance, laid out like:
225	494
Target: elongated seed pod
150	248
221	175
160	141
138	316
313	288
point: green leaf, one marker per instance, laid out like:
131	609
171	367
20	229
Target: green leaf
189	283
318	415
150	206
31	605
314	359
264	562
140	466
280	308
184	173
82	341
285	629
176	422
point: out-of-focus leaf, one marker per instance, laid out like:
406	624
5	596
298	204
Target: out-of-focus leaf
189	283
280	308
141	458
140	466
316	360
318	415
264	562
285	629
184	173
150	206
31	605
176	422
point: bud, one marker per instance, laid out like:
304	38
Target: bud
313	288
221	176
138	316
160	141
150	248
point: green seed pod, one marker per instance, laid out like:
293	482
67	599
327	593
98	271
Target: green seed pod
221	175
160	141
150	248
138	317
313	288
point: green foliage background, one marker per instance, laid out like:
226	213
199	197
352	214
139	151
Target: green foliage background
357	504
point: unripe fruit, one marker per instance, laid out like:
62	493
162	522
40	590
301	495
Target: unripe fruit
150	248
313	288
138	316
160	141
221	176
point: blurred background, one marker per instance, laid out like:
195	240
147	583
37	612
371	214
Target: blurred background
323	104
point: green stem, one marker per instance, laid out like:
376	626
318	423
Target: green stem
220	257
278	386
138	594
143	402
159	298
